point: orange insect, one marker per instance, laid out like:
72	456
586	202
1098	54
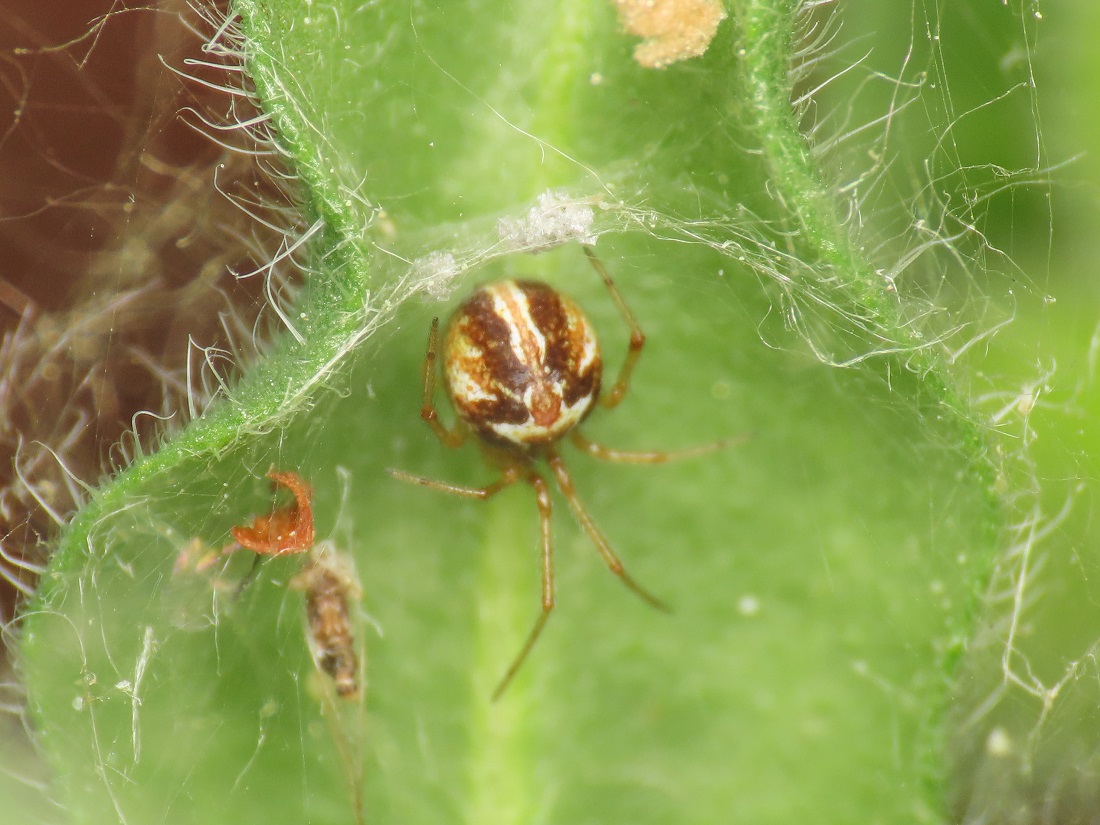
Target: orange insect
287	530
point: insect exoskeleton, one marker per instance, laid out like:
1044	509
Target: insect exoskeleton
285	530
521	363
332	590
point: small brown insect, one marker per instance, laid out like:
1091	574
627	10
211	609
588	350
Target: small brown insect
286	530
331	588
522	367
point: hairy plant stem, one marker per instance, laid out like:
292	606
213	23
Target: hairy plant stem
766	37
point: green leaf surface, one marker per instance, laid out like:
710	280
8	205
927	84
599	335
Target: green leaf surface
823	576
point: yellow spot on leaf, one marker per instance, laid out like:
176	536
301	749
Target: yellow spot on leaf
674	30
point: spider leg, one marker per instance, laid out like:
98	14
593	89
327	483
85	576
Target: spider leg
651	456
508	477
542	498
450	438
565	484
615	395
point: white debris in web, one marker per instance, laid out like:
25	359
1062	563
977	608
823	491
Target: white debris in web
436	273
555	220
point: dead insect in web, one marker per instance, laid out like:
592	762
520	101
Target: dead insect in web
522	367
332	591
285	530
333	613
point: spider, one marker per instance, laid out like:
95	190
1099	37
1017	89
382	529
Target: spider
522	367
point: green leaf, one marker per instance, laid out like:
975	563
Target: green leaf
823	576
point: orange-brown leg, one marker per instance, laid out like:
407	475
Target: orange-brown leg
542	497
651	456
565	484
450	438
508	477
615	395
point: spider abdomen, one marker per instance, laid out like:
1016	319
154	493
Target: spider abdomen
522	363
